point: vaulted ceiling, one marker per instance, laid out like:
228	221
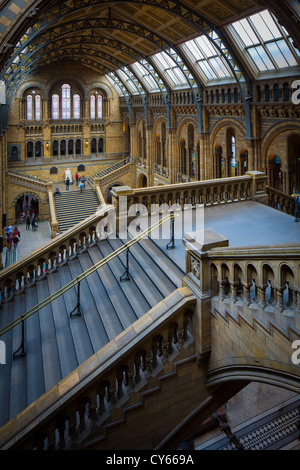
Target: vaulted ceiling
107	35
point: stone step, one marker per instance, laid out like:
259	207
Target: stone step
55	343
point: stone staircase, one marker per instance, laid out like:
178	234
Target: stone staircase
105	172
74	206
55	342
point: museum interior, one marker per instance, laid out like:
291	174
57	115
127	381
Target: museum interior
150	244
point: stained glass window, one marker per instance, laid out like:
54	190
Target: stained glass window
29	107
66	101
76	106
92	107
37	107
55	106
99	107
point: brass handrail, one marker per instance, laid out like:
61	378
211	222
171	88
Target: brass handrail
84	275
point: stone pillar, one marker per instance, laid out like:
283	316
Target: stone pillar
258	187
172	156
198	279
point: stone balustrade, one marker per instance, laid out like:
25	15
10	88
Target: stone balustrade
35	266
208	192
14	175
281	201
91	397
263	282
267	277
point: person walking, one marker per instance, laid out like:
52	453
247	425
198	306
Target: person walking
9	242
33	224
76	178
81	186
16	237
28	220
67	183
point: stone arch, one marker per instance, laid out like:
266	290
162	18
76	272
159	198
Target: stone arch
221	138
142	180
58	82
26	196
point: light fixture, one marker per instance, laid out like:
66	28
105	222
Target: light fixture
47	145
86	142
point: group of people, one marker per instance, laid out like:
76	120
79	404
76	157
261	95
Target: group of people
80	181
31	220
12	237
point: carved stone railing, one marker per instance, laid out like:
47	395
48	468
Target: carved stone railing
209	192
52	213
91	397
261	280
22	177
38	263
281	201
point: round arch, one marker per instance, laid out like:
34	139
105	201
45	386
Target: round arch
142	181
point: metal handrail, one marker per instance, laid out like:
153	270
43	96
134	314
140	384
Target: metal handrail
84	275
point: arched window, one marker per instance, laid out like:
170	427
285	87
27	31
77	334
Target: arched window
55	106
37	103
92	107
96	106
76	106
66	101
233	157
29	108
99	110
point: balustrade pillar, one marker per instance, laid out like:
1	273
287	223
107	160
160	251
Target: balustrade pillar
222	287
246	291
51	436
261	288
234	289
294	299
279	297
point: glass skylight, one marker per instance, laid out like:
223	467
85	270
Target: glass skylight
206	59
145	77
266	42
127	81
169	69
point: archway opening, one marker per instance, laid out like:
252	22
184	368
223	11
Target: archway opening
274	172
26	203
294	163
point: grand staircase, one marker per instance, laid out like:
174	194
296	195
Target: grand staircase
105	172
56	342
74	206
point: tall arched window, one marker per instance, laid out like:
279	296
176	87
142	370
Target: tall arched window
99	110
29	108
96	106
37	108
92	107
55	106
76	106
66	101
233	157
